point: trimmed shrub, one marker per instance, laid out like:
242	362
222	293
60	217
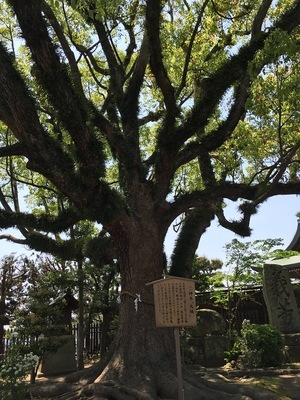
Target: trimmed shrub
259	346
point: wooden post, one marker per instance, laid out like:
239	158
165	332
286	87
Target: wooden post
178	363
175	306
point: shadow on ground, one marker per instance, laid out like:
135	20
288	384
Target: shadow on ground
283	383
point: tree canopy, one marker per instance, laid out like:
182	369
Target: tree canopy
130	115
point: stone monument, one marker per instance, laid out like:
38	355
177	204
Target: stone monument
280	298
63	359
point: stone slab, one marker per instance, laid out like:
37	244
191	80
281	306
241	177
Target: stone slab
280	299
63	361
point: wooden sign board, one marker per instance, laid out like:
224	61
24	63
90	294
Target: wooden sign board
174	301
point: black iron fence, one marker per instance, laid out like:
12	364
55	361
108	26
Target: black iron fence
92	338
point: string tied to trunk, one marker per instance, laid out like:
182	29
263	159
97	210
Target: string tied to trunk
137	299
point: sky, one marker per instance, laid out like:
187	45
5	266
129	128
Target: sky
275	219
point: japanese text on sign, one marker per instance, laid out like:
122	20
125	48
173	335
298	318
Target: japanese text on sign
175	303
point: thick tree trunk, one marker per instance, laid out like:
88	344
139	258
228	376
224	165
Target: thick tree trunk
143	352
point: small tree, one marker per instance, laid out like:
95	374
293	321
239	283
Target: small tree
207	273
242	270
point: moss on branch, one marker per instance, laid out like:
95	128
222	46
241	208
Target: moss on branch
44	223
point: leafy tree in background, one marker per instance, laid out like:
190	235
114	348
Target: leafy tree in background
14	273
50	278
207	273
244	270
38	320
137	116
244	260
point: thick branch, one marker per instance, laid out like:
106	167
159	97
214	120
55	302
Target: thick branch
195	224
232	191
130	154
72	111
134	86
260	17
44	223
65	45
15	149
216	138
241	226
13	239
65	249
219	136
206	168
156	60
18	111
99	249
130	30
117	73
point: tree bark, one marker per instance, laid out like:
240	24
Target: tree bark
80	339
142	351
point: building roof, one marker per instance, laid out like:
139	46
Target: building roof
292	264
295	243
65	299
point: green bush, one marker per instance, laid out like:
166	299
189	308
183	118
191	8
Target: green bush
13	371
259	346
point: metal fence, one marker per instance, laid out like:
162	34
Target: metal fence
92	338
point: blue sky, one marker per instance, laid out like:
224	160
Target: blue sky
276	218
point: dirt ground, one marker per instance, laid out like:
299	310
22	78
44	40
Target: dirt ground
291	385
284	383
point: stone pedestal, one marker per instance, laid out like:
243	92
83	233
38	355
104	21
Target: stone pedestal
62	361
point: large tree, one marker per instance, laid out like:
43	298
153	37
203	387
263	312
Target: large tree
137	114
